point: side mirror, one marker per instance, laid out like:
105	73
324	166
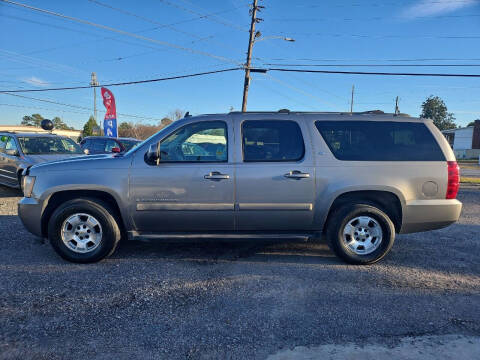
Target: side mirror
153	154
86	151
116	150
12	152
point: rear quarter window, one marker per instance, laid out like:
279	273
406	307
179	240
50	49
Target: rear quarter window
380	141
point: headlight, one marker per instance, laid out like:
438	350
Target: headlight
27	185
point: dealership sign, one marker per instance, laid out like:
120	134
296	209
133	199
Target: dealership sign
110	121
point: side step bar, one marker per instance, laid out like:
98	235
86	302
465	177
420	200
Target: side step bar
134	235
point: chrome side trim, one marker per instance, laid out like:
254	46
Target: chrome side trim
184	206
276	206
8	171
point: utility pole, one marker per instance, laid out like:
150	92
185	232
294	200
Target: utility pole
397	110
351	101
94	83
249	54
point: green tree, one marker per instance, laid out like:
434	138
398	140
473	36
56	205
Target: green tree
89	127
60	125
434	108
472	123
125	129
33	120
165	121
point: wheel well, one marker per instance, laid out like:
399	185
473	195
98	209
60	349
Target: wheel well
384	200
60	197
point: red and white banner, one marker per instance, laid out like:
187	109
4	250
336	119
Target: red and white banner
110	120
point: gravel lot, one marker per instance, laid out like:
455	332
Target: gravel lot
243	300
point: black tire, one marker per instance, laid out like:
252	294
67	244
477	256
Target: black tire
111	233
340	218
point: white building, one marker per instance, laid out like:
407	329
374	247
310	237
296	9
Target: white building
465	142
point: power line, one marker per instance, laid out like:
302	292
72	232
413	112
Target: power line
386	3
208	17
126	33
124	83
388	60
128	13
366	73
77	106
416	36
375	18
116	38
376	65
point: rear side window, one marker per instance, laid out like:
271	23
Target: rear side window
272	140
380	141
98	145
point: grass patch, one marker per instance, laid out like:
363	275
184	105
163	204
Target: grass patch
469	180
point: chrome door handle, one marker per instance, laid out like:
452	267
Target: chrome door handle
215	175
295	174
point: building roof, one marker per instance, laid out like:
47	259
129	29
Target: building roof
450	131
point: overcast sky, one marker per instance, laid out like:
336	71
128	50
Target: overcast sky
39	51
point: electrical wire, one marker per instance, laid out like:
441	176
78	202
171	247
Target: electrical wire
375	18
126	33
369	73
78	106
124	83
376	65
208	17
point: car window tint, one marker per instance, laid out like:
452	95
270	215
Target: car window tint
3	142
380	141
10	144
204	141
110	144
128	144
98	145
272	140
37	145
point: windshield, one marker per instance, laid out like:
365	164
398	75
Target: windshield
37	145
128	144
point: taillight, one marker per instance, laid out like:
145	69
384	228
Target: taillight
453	179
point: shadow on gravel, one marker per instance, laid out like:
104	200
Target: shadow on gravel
215	251
6	192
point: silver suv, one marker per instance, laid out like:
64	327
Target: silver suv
356	178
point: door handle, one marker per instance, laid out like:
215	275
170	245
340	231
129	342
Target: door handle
215	175
295	174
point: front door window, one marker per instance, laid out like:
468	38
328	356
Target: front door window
199	142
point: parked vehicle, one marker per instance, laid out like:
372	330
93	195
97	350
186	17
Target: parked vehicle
21	150
356	178
107	145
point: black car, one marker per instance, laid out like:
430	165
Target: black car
107	145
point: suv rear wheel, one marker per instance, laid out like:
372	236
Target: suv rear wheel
83	230
360	233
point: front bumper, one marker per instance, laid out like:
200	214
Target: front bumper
424	215
30	212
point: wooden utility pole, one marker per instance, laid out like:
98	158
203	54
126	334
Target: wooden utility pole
94	82
351	101
246	84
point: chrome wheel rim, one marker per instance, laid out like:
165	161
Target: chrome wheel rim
362	235
81	233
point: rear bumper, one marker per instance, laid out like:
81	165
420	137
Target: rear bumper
424	215
30	212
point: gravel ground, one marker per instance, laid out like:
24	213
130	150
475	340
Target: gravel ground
242	300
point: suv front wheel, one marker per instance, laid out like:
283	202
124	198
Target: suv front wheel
360	233
83	230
